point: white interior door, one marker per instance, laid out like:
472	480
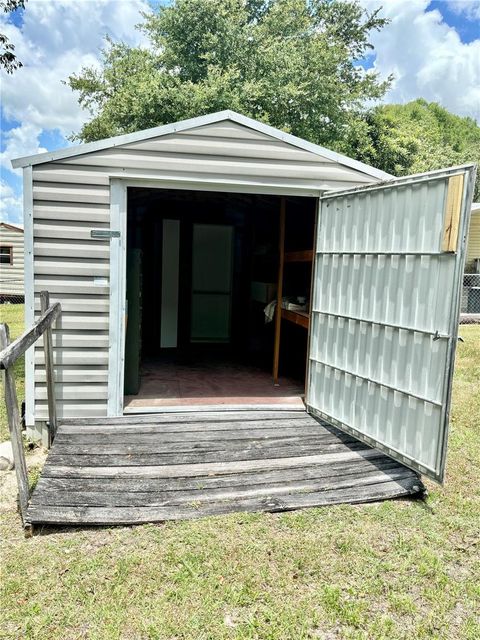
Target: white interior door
384	317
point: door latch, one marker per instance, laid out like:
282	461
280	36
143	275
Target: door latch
440	336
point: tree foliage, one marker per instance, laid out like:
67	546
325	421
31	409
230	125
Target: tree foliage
8	59
290	63
416	137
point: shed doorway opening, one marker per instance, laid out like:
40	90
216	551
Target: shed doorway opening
203	272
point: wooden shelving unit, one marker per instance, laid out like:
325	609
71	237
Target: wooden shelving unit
299	256
300	318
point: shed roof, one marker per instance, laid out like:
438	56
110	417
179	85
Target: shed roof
184	125
11	227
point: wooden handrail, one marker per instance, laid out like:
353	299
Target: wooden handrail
14	426
9	354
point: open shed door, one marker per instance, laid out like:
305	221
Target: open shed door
384	316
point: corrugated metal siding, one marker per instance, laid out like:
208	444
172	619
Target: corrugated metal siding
11	275
374	365
219	152
72	196
67	262
473	243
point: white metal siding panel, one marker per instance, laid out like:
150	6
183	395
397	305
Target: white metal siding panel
71	408
65	192
75	357
189	143
70	391
227	129
79	285
58	173
69	230
85	374
75	302
72	212
72	197
66	248
383	291
74	268
197	166
11	275
68	338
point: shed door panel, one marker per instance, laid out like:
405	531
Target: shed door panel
384	317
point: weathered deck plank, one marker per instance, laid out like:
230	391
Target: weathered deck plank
156	445
167	498
164	467
205	469
258	452
180	436
203	418
135	515
217	481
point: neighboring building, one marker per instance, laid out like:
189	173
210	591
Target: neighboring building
472	262
11	263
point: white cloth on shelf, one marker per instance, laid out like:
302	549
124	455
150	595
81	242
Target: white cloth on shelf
269	311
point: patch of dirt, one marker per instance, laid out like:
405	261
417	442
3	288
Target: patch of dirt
8	479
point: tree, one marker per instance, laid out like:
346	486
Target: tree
416	137
290	63
8	60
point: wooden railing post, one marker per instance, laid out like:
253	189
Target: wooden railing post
49	370
15	428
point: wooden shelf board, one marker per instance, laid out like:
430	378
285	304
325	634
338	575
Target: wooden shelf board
302	318
299	256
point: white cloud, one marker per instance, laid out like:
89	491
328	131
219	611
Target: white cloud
469	8
21	140
427	58
58	38
11	205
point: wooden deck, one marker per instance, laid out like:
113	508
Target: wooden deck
179	466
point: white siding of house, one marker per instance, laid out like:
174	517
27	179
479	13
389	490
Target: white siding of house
473	240
71	196
11	275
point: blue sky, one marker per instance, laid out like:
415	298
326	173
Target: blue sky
464	22
431	47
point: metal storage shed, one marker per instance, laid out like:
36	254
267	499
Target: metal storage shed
382	334
70	192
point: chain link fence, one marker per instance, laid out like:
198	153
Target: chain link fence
12	306
470	306
11	291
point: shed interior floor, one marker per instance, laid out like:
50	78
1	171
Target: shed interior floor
208	380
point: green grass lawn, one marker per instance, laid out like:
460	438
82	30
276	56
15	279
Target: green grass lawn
399	569
12	314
